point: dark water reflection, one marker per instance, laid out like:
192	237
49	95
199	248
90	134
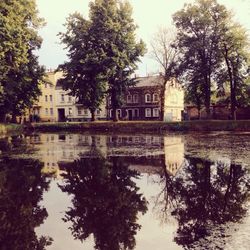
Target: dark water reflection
21	190
124	192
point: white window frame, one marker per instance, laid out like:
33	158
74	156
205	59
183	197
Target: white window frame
62	98
129	98
154	97
148	112
156	112
135	98
146	98
98	112
70	111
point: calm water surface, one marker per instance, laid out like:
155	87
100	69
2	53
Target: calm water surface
114	192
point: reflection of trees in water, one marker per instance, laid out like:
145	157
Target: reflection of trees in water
106	202
205	196
16	144
21	190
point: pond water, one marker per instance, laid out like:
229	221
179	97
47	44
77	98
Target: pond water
112	192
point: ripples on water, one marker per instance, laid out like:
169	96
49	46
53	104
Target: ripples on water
77	191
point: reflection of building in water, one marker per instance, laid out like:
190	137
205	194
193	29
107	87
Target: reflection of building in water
55	148
174	153
145	153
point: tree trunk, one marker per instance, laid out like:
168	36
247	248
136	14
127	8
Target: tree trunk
232	88
208	97
92	115
114	105
115	115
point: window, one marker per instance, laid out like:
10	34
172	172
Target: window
155	112
51	111
98	112
46	98
148	112
79	111
50	98
136	112
129	98
135	98
46	111
147	98
70	111
155	98
70	99
62	97
85	111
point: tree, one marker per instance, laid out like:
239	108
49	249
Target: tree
106	201
21	191
19	69
83	74
203	200
199	28
165	53
114	29
234	47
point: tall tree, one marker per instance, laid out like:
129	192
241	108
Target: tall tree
165	53
234	47
83	73
198	33
114	29
18	32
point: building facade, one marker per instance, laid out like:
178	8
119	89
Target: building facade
45	108
69	110
144	101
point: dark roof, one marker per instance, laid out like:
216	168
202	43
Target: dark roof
149	81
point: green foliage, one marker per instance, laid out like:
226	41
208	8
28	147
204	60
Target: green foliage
198	32
234	46
19	69
103	53
83	75
214	53
115	30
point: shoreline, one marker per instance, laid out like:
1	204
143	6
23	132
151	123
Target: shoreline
150	127
154	127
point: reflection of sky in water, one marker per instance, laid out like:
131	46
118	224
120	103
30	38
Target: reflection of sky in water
161	163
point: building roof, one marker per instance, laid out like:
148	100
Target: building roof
149	81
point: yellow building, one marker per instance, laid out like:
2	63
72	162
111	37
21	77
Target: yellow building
174	101
45	108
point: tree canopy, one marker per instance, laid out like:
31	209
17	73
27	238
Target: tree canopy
20	72
102	52
214	53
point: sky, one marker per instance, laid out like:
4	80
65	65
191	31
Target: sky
149	15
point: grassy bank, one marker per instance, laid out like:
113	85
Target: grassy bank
143	127
10	128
